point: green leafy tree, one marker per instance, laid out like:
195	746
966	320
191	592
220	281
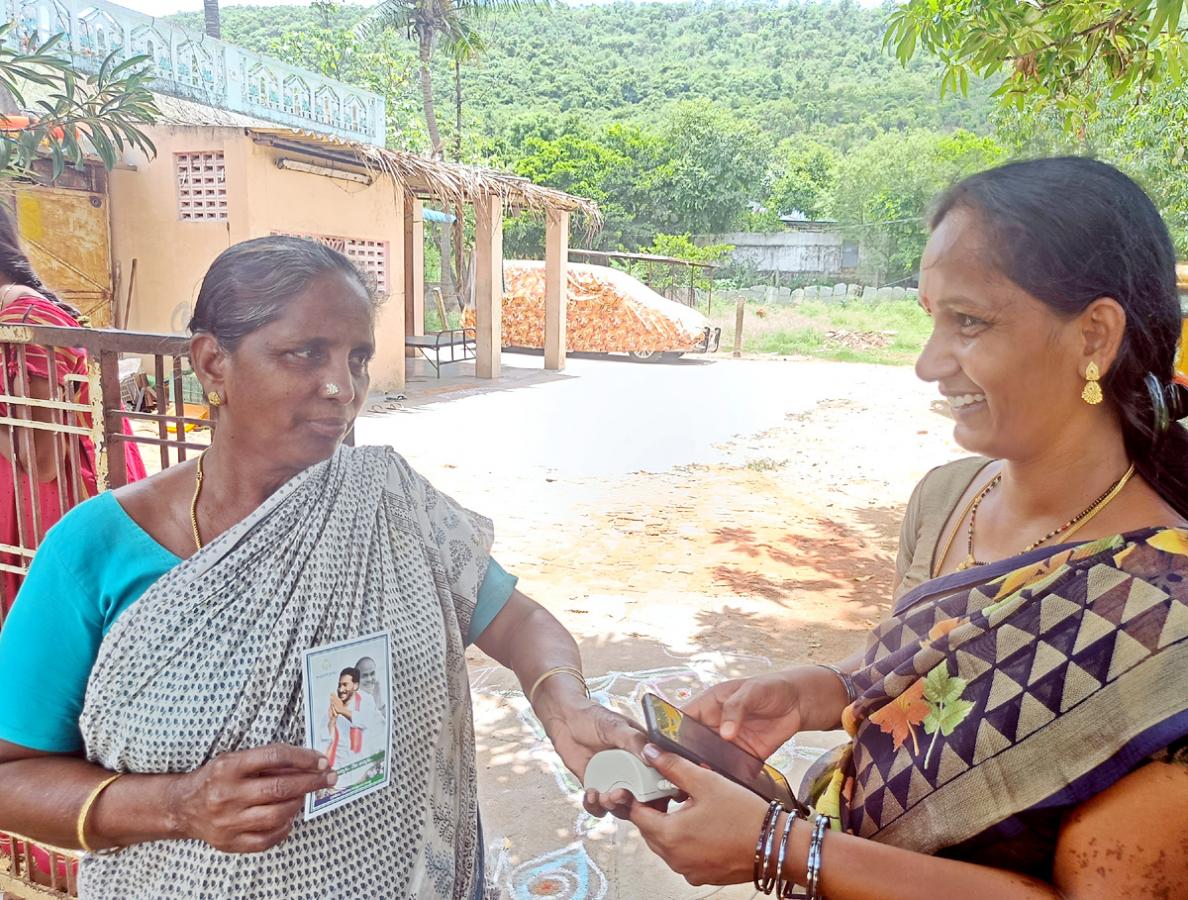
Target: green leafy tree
804	178
1145	140
1069	53
1085	77
578	163
710	163
106	109
669	279
884	190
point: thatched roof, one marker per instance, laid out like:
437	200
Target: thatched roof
446	182
456	183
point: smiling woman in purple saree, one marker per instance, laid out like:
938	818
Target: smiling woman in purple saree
1016	725
965	686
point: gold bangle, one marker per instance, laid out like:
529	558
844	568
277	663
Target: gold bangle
86	809
558	670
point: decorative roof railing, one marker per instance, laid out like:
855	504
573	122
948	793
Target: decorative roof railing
201	68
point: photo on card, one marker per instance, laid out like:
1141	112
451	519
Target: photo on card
346	687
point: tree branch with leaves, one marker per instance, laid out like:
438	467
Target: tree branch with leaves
106	109
1070	53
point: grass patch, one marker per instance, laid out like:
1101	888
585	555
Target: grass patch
433	320
890	332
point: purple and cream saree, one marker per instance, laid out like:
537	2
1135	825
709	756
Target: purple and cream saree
994	699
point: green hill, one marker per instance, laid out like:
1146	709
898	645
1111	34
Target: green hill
677	118
801	69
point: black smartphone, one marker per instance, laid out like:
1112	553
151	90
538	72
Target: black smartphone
672	730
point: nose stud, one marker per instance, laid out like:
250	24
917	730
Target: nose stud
330	389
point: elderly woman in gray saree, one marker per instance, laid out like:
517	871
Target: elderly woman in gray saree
1016	726
167	621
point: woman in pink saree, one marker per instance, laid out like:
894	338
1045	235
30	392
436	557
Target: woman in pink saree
24	300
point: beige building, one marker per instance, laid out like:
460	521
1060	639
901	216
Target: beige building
220	178
211	186
249	146
131	247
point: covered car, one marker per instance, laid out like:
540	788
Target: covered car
609	311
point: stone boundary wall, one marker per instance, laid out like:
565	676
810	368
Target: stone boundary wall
837	293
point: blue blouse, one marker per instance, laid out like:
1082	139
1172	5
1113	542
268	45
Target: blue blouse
94	564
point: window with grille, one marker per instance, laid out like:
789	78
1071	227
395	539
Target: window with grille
201	186
369	257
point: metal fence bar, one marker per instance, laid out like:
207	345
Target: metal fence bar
30	481
59	419
76	449
179	405
11	433
51	403
162	403
111	420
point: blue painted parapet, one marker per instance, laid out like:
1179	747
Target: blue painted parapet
196	67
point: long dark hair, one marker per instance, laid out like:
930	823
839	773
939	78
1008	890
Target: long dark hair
249	284
16	268
1070	230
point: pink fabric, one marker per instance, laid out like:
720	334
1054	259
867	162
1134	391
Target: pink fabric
45	496
41	859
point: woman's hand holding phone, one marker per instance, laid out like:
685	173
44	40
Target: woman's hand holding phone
761	713
710	838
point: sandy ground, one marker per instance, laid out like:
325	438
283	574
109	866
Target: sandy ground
687	523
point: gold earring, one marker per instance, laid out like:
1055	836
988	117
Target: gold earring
1091	393
214	399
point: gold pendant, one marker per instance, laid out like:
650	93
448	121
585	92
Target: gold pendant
968	563
1091	393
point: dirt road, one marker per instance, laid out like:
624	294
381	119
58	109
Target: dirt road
714	558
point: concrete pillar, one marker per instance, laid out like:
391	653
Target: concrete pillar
488	284
556	287
414	268
387	368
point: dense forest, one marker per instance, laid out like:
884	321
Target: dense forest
697	118
815	69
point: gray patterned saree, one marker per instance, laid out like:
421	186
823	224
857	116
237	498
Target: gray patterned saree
208	662
993	700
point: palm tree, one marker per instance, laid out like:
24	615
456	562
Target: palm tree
210	12
448	23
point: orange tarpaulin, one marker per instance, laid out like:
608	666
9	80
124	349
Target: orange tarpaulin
608	311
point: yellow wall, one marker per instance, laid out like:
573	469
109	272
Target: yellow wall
173	255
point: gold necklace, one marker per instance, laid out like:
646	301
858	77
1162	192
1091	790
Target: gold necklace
194	503
1069	528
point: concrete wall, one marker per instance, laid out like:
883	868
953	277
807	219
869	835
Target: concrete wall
788	252
173	255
